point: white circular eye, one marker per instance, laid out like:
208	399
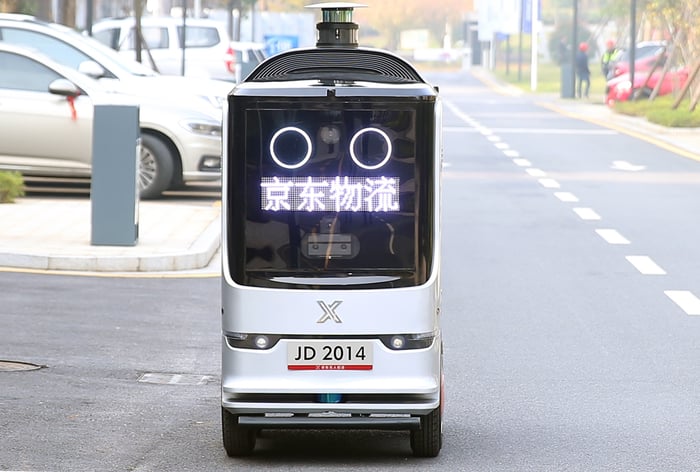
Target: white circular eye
261	342
383	160
397	342
292	133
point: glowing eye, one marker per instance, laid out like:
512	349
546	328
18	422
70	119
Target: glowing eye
286	147
372	147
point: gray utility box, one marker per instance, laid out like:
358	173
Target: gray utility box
114	191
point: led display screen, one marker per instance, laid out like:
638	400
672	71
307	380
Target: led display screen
331	190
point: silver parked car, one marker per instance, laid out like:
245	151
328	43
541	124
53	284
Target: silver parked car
46	117
189	143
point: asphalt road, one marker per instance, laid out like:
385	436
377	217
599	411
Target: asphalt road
569	344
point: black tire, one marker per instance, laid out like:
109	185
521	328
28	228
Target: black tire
156	164
427	441
237	441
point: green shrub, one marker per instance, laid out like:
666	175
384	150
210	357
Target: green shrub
679	118
661	112
11	186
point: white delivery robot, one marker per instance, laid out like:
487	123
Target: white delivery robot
331	244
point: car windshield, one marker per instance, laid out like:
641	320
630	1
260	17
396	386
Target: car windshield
642	52
74	49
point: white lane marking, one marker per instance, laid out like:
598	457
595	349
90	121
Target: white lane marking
548	131
502	146
494	139
688	302
536	172
587	213
626	166
549	183
566	196
611	236
511	153
522	162
645	265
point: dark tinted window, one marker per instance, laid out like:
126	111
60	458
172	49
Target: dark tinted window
108	37
22	73
153	37
57	50
199	36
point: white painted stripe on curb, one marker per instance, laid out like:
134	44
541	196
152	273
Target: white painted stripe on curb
549	183
687	302
522	162
645	265
611	236
587	214
566	196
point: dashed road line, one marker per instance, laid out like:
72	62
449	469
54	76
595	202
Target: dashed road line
536	172
587	213
687	302
611	236
645	265
567	197
549	183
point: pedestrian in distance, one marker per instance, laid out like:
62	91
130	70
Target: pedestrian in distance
583	73
608	58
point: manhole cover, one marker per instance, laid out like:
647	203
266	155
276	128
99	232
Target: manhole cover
16	366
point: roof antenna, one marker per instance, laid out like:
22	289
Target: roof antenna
337	28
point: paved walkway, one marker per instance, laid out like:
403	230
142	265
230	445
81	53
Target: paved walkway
56	234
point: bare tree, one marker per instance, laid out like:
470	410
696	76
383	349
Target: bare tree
67	12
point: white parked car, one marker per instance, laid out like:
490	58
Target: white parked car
189	135
209	53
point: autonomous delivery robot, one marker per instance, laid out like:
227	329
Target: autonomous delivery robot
331	244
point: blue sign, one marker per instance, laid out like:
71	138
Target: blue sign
526	6
276	43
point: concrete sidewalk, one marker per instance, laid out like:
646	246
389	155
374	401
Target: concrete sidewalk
55	234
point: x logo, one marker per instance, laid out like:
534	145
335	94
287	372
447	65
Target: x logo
329	311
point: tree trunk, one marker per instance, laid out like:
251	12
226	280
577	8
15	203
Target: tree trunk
67	9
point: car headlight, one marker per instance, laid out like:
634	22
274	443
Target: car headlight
206	128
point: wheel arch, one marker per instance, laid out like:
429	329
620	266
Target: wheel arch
174	149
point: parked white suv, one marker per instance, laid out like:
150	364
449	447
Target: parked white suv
208	51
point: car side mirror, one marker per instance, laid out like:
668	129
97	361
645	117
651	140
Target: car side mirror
91	69
64	87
